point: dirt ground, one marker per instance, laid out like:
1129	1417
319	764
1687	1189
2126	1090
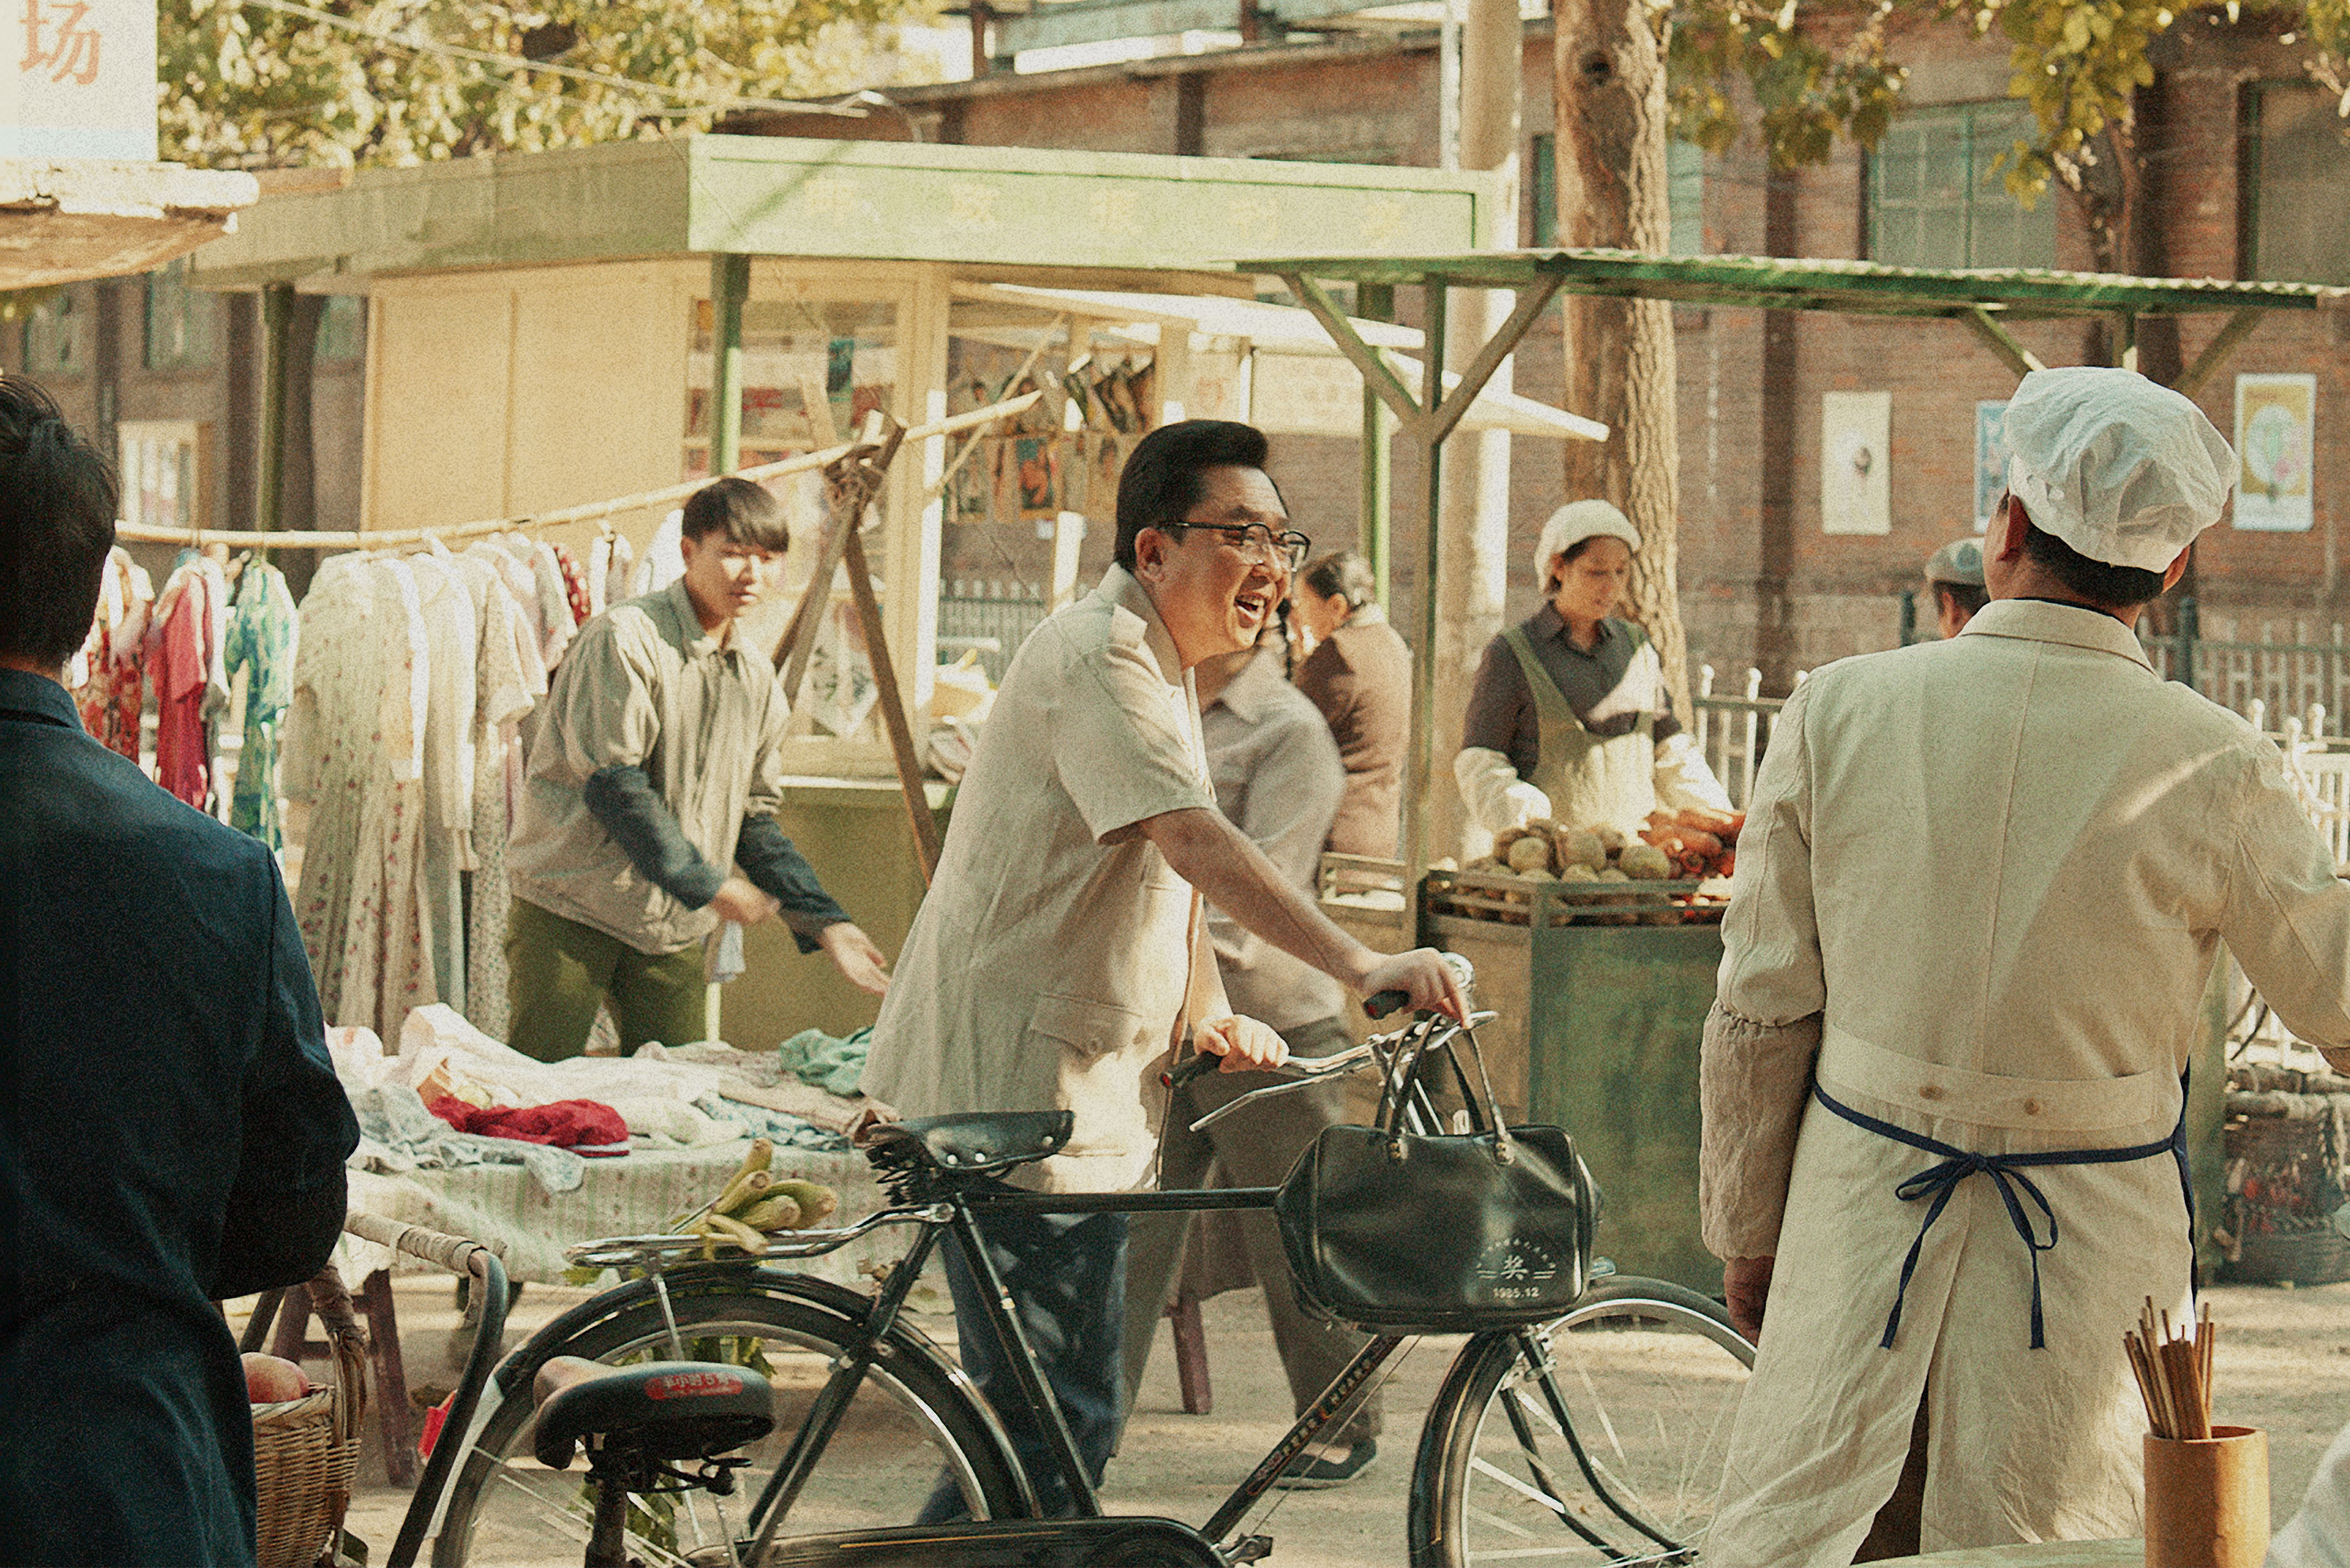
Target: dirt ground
2283	1365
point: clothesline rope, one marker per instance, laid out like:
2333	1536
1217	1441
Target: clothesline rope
387	538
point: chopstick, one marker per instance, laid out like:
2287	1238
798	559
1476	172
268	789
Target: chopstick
2173	1369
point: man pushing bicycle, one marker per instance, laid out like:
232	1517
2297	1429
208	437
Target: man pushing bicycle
1060	958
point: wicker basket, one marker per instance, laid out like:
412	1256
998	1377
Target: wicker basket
306	1451
2285	1165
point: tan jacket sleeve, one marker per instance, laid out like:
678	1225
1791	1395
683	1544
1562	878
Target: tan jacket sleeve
1760	1041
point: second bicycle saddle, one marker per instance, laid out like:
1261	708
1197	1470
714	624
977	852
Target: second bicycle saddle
662	1409
976	1143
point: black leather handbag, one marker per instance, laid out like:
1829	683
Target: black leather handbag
1404	1232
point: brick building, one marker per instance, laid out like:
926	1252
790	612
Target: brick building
2248	177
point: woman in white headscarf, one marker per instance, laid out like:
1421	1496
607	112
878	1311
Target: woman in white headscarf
1570	718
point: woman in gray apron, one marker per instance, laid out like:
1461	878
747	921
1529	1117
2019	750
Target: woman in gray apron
1570	718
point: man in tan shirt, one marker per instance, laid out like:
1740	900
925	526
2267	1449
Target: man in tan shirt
1979	891
1060	956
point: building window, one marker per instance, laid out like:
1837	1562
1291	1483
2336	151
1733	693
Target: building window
1937	192
162	472
1685	187
53	337
2299	185
342	330
178	320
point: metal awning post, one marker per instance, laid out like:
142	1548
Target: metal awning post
730	285
2215	353
1437	297
2000	341
1376	302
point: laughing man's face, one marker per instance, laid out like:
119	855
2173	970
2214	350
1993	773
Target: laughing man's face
1214	594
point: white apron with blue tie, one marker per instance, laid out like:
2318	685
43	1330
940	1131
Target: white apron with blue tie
1979	891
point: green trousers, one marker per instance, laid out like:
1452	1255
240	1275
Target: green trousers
562	971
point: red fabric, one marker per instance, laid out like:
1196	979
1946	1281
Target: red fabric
564	1123
181	662
574	583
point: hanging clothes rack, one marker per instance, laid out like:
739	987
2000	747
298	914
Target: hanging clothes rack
594	510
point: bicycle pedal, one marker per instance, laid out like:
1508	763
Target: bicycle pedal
1250	1549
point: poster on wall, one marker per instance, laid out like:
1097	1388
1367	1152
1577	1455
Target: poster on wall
2276	427
1855	469
1991	459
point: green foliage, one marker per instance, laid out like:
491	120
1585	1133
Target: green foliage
245	85
1806	93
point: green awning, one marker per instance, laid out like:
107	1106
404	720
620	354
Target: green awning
2013	293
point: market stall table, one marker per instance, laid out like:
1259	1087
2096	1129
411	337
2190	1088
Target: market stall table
504	1206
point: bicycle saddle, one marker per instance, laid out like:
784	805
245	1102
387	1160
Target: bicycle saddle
975	1143
662	1409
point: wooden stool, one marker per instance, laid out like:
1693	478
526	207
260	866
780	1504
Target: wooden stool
1191	1356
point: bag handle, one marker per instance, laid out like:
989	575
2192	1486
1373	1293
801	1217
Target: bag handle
1405	1063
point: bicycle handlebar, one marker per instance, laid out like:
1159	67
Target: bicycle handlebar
454	1253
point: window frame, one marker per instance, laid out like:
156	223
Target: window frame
1979	170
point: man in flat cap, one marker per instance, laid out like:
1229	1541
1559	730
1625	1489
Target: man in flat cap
1980	890
1954	581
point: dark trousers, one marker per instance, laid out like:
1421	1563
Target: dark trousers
1253	1147
1066	1276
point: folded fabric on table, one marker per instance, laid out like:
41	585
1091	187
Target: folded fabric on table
582	1125
832	1062
398	1135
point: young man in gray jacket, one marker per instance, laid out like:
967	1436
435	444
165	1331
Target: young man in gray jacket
655	771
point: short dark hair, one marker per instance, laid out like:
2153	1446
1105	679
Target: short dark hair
2099	582
745	513
1161	480
1968	596
1343	575
57	500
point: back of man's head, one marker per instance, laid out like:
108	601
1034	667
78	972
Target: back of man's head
56	523
1161	479
740	510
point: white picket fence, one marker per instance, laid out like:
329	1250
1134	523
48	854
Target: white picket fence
1733	731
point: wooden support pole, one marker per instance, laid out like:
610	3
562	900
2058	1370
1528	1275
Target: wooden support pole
893	708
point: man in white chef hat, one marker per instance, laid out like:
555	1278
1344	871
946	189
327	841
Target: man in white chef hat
1978	892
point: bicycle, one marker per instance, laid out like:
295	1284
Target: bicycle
1594	1438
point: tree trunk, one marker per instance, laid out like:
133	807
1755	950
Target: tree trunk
1621	365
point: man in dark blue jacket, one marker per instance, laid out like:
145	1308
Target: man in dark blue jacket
170	1129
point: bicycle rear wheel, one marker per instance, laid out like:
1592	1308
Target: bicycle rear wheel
1595	1439
914	1420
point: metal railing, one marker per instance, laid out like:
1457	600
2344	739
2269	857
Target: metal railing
991	617
1732	732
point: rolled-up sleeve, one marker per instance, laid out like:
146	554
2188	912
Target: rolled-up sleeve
1119	746
1762	1036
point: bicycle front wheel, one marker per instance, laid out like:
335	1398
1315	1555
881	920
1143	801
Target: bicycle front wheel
1595	1439
914	1420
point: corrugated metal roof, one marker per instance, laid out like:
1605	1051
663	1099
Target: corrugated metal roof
1816	283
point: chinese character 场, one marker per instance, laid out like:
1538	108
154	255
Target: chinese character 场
71	50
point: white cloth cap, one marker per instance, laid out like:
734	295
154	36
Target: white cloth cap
1574	522
2124	470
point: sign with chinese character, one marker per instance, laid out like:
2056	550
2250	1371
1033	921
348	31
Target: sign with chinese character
84	83
2276	421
